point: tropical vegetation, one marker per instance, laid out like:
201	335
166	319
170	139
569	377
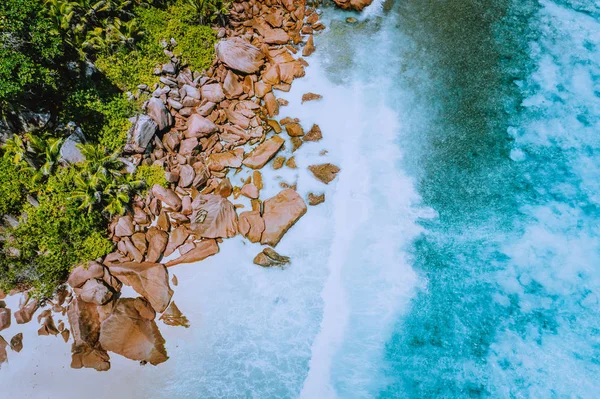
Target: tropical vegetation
80	62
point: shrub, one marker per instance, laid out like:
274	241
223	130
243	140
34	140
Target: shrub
53	238
195	46
95	246
103	120
151	175
12	190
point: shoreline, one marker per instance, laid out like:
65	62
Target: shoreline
130	263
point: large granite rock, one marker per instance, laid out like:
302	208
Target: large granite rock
25	314
269	258
69	151
159	113
167	196
263	153
203	250
143	132
81	274
173	317
151	280
324	172
199	126
251	225
213	217
239	55
85	328
95	291
124	226
213	92
176	238
280	213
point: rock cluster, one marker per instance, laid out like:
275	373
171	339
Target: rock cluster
101	321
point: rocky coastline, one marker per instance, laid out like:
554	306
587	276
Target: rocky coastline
202	129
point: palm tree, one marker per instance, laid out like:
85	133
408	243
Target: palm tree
46	152
98	162
15	148
88	192
101	183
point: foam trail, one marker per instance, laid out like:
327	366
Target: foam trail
375	205
348	206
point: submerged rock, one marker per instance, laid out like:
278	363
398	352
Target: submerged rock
268	258
311	97
130	331
325	172
4	317
316	199
309	47
173	317
314	134
16	342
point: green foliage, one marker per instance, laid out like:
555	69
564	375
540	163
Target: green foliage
95	246
127	69
53	237
36	155
195	46
29	55
151	175
12	190
195	43
45	153
103	120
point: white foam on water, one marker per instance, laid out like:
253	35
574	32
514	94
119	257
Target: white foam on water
376	208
